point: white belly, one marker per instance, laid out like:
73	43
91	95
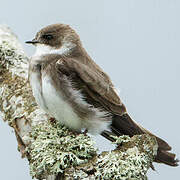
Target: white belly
59	108
36	89
53	103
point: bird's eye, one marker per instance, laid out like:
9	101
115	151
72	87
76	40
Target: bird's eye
47	36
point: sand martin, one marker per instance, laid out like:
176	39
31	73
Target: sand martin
73	89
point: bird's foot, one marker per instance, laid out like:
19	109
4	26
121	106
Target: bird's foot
52	120
85	132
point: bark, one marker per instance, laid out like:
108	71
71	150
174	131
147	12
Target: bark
53	151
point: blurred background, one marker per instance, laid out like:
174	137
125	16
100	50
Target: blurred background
136	42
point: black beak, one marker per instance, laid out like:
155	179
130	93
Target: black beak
34	41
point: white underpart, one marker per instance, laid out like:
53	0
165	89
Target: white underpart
42	49
54	104
57	107
36	89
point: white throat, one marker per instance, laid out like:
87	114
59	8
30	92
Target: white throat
42	49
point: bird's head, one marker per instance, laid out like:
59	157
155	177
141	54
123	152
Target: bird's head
56	38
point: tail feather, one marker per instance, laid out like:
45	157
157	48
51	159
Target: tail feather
124	125
166	158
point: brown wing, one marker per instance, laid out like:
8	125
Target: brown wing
94	82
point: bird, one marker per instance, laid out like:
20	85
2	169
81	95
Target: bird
69	86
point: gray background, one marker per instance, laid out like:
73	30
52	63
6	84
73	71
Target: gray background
135	41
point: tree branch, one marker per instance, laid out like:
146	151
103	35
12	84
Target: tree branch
53	151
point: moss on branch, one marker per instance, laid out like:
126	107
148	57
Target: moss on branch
54	148
130	161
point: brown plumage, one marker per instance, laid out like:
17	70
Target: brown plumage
75	69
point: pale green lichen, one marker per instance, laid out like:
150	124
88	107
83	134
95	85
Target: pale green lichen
54	148
130	161
11	57
16	98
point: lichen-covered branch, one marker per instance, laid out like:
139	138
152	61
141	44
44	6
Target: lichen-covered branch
130	161
53	151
